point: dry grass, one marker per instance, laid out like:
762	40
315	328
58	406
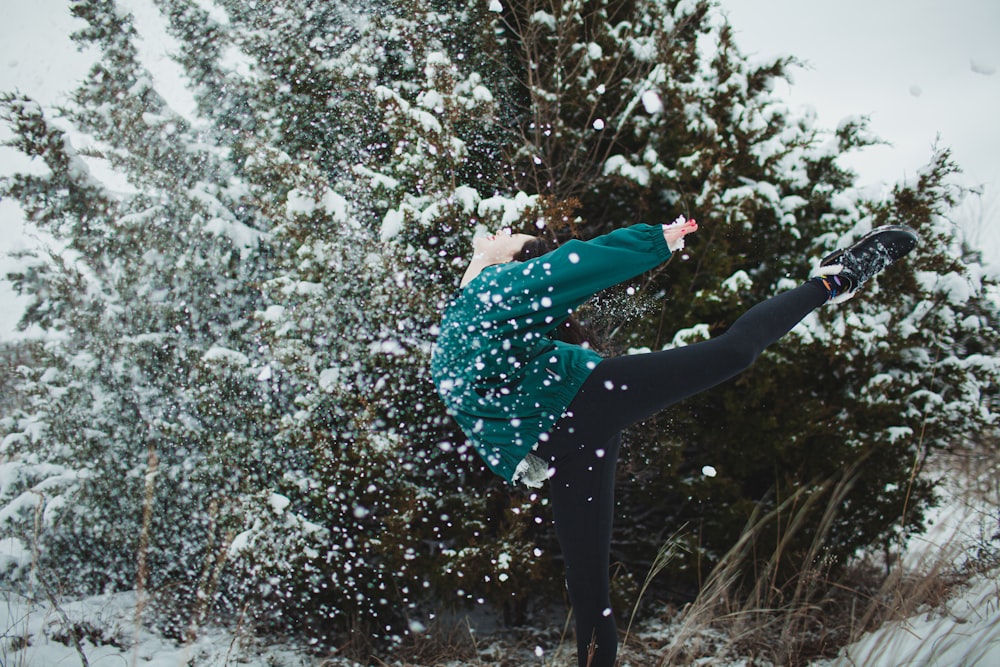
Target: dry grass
811	618
814	617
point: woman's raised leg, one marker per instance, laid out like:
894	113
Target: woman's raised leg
631	388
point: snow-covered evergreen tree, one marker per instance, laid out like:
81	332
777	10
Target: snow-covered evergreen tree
143	422
640	111
363	238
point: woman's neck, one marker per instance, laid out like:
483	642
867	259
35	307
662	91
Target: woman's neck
475	267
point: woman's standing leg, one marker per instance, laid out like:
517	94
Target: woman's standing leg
582	490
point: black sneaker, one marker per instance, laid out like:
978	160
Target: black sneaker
869	256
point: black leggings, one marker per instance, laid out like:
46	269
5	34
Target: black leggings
582	450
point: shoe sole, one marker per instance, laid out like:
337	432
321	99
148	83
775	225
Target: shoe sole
896	240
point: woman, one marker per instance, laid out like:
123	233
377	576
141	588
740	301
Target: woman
538	408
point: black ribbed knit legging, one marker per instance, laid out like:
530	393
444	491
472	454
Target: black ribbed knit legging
582	450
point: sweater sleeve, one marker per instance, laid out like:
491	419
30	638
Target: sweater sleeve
561	280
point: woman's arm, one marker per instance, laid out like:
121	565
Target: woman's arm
568	276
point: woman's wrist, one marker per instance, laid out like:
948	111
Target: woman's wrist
674	232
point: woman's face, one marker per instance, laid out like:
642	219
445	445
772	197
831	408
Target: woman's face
500	247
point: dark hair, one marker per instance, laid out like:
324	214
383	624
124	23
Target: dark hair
570	331
536	247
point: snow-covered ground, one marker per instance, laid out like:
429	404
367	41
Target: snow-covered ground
962	631
965	629
36	634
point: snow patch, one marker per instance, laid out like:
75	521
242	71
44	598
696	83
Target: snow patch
956	288
467	198
328	378
273	314
509	209
544	19
739	281
242	236
684	337
619	165
378	181
278	502
157	50
392	224
300	202
965	632
214	11
225	355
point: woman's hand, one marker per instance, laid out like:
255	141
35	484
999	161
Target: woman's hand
675	232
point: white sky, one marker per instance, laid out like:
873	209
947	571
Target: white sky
37	58
919	68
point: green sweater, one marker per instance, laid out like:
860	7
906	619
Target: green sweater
501	376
